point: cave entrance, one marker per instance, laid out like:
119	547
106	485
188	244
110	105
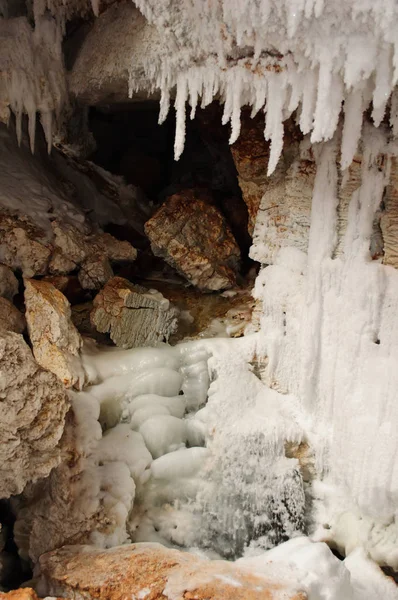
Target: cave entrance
130	143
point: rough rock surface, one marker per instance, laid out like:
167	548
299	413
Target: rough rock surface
133	315
389	218
251	154
33	405
151	571
19	594
55	340
194	238
10	317
8	283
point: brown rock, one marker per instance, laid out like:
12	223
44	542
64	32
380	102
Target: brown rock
23	245
94	272
84	572
33	405
8	283
19	594
133	315
389	219
55	340
194	238
251	154
10	317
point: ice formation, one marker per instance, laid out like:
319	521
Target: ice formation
306	56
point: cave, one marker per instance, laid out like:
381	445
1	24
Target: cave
198	300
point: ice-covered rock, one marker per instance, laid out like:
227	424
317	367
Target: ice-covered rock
32	417
194	238
133	315
141	570
55	340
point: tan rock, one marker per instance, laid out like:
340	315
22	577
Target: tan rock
10	317
133	315
8	283
194	238
19	594
84	572
23	245
389	218
251	154
33	405
55	340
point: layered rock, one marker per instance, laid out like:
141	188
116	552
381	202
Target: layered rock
155	572
133	315
55	340
32	415
194	238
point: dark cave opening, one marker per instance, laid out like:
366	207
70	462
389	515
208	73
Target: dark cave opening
130	143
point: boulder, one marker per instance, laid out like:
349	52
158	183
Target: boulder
133	315
19	594
33	405
8	283
55	340
154	572
94	272
10	317
23	245
194	238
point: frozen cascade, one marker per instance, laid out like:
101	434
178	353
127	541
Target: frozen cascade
175	467
329	329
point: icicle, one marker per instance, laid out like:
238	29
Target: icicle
328	106
32	129
236	104
260	95
18	122
95	7
46	119
308	102
274	124
382	85
164	101
353	110
181	98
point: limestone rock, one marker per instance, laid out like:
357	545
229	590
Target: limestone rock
10	317
8	283
389	218
133	315
251	154
94	272
33	405
55	340
23	245
194	238
19	594
84	572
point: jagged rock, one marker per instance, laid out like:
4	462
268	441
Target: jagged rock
8	283
10	317
81	320
23	245
19	594
94	272
55	340
133	315
194	238
131	571
33	405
